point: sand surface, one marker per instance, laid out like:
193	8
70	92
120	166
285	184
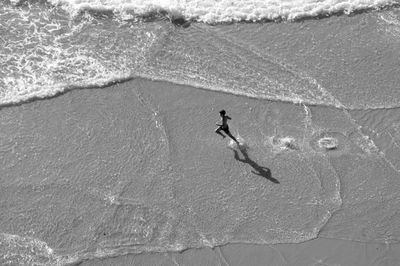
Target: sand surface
76	169
318	252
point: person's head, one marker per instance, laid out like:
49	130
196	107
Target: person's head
222	112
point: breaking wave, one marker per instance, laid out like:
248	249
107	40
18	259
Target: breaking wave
212	11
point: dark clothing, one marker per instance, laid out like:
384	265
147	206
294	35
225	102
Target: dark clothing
225	129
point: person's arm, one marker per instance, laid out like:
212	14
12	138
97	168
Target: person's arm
228	117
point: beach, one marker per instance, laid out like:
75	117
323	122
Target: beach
110	156
326	190
315	252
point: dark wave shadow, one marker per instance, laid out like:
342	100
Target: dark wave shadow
259	170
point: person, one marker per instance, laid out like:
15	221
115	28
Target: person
224	126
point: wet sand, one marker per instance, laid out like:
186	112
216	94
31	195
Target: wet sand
60	156
320	251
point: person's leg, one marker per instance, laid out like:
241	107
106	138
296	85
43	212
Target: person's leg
227	132
232	137
218	131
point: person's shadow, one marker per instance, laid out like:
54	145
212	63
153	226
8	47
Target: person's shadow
259	170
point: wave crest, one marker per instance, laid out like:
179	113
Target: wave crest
212	11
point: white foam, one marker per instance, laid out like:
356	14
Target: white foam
41	84
242	144
51	63
328	143
56	63
19	250
280	144
212	11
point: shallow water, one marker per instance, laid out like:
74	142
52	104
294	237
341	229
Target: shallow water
106	172
337	61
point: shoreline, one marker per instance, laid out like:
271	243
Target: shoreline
178	84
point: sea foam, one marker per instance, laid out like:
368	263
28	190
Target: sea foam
212	11
68	53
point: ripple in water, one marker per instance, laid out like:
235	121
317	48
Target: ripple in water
330	142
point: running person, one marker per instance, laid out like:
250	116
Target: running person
224	127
